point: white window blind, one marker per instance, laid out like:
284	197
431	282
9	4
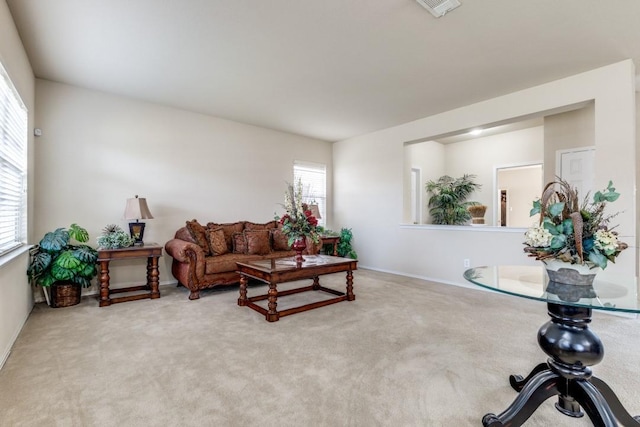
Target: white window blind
13	166
314	185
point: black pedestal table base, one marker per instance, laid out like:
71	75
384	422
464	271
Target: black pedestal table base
572	347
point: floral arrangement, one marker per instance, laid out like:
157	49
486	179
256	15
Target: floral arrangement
573	232
298	221
114	237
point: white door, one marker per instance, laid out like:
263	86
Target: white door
577	167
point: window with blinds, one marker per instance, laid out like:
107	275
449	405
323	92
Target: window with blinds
13	166
314	185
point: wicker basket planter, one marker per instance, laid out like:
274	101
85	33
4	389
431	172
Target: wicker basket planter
477	213
65	294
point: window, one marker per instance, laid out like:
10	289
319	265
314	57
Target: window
13	166
314	185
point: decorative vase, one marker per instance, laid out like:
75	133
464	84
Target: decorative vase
570	274
570	293
299	245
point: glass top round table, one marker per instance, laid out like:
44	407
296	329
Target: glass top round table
532	282
572	348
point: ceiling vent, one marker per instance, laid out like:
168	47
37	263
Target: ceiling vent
438	8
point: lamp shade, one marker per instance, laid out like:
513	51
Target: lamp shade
315	211
137	209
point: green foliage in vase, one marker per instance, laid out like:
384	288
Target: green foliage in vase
447	203
55	258
114	237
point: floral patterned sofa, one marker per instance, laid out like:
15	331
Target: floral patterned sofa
206	256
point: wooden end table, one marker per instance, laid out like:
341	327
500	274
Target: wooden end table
151	251
331	240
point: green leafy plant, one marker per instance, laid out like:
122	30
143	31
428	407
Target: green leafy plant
344	246
447	203
573	231
114	237
56	259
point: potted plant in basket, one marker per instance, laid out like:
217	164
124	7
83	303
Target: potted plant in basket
573	234
63	265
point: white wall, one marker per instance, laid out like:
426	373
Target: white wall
572	129
429	158
16	299
97	150
369	169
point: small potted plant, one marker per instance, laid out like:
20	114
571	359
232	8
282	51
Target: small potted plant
61	261
344	246
114	237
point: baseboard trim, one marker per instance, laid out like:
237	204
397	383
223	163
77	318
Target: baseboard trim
427	278
7	352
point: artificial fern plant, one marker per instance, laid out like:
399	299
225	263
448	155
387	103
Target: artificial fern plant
344	245
56	259
447	204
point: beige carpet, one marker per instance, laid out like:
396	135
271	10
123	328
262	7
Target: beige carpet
405	353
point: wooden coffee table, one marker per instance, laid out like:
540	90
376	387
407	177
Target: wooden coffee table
282	270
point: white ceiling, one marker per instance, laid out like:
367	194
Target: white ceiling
327	69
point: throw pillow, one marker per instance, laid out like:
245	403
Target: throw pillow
254	226
229	230
280	240
257	242
239	243
217	241
199	234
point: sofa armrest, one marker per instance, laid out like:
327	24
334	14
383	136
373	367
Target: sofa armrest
187	253
180	250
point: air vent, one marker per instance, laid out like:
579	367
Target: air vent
438	8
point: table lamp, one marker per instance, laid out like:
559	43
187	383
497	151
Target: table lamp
137	209
315	211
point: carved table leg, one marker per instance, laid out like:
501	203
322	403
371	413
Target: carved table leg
541	387
272	314
613	403
572	348
104	284
153	277
517	382
350	295
242	300
316	283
